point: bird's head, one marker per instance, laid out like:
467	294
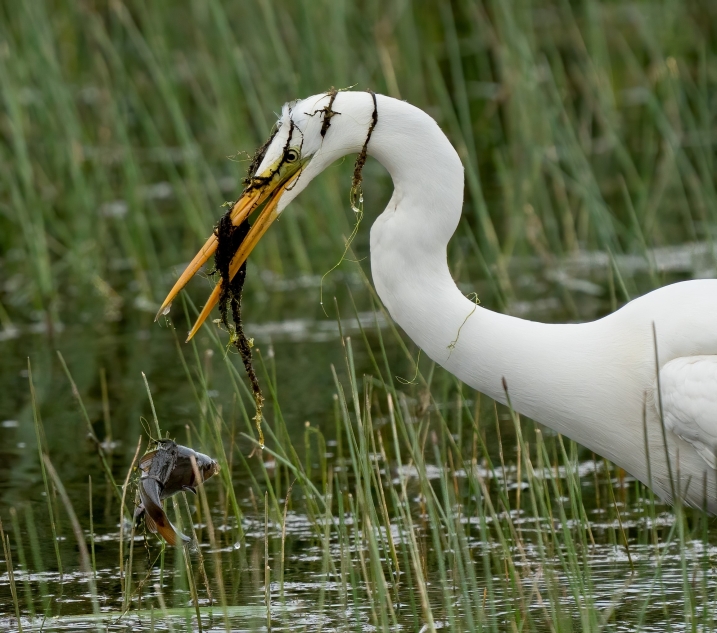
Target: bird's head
310	135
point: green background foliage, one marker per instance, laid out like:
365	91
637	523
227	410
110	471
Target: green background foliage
587	133
584	125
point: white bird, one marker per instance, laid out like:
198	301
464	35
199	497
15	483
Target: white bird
593	382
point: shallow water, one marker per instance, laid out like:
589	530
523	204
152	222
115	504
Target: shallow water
297	347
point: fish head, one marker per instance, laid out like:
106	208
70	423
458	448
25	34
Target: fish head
184	476
207	466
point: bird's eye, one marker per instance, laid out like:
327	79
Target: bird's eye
292	156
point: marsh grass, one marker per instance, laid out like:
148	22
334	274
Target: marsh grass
586	133
412	519
581	127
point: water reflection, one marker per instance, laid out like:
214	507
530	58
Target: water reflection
620	586
296	352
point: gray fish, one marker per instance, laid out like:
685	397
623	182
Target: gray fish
166	471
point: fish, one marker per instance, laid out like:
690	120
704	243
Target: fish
166	471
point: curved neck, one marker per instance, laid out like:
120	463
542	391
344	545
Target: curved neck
547	367
409	239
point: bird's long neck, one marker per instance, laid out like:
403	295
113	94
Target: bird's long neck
547	367
409	239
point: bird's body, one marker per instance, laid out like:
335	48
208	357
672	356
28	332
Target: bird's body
590	381
593	382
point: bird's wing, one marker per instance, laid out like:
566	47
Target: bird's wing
688	387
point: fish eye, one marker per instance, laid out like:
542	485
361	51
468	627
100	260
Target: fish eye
292	156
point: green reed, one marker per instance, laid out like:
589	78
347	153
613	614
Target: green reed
428	507
580	127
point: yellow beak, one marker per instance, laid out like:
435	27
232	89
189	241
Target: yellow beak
268	187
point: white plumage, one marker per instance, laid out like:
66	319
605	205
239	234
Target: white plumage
593	382
688	386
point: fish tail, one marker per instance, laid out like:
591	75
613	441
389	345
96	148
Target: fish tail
149	523
168	533
157	522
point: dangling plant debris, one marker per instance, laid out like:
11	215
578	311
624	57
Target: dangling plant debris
252	181
229	239
356	193
257	158
328	111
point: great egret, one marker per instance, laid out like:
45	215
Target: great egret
593	382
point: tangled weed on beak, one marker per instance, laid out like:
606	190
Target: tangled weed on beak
231	244
264	220
265	189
